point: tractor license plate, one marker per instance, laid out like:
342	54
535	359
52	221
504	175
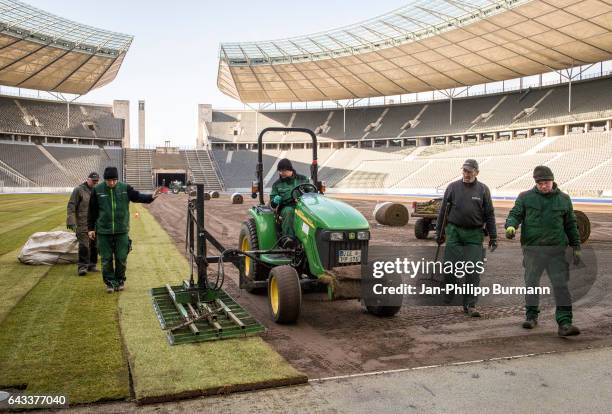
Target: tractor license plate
349	256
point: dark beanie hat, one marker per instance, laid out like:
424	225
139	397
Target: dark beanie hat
543	173
111	173
284	164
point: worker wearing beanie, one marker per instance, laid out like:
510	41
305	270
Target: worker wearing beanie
470	213
108	222
548	226
280	196
76	220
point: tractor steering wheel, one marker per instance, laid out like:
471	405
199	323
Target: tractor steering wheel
302	189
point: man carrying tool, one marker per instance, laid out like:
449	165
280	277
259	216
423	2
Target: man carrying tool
76	220
470	213
280	196
548	225
109	222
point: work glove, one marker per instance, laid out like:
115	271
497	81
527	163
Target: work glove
277	200
492	245
71	227
510	232
441	239
577	256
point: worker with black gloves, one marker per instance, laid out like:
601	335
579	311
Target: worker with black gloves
76	220
548	226
470	213
281	198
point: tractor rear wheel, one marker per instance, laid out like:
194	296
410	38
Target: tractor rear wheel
253	271
384	311
421	228
284	294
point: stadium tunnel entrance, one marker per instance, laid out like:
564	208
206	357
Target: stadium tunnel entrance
165	178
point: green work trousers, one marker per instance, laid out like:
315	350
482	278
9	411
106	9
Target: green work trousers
287	214
537	259
113	250
463	245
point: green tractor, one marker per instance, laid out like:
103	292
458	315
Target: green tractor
332	243
177	186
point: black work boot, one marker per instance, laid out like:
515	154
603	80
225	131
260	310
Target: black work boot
82	271
471	312
568	330
530	322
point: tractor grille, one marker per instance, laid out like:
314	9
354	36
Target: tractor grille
329	251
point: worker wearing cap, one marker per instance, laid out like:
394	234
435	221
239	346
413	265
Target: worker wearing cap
108	222
471	212
76	220
280	196
548	226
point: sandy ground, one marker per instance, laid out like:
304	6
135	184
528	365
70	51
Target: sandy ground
338	338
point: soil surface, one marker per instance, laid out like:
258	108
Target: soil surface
339	338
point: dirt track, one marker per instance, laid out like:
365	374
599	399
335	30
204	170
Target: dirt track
338	338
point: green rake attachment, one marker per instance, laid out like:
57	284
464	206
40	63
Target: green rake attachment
202	311
219	316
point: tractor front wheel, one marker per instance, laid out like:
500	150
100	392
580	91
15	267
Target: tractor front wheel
253	270
284	294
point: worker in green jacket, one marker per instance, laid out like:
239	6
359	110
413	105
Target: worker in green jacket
108	222
280	196
548	226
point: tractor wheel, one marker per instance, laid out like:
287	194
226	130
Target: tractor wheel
284	294
252	269
384	311
175	191
421	228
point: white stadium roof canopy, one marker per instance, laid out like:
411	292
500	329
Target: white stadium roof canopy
424	46
39	50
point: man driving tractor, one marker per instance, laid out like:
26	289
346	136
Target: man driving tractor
280	196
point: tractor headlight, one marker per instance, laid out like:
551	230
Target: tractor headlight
363	235
336	236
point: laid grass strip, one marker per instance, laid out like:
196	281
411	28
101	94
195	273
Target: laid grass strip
160	371
16	280
52	215
63	337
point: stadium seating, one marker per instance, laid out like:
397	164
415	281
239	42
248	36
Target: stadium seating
138	167
202	167
510	110
49	118
30	161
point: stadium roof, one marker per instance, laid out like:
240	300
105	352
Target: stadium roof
39	50
423	46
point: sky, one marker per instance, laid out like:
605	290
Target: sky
172	63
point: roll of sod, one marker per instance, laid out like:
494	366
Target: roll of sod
391	214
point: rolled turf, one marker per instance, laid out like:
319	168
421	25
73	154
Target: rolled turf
163	372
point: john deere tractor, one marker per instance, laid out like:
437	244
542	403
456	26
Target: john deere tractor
331	243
